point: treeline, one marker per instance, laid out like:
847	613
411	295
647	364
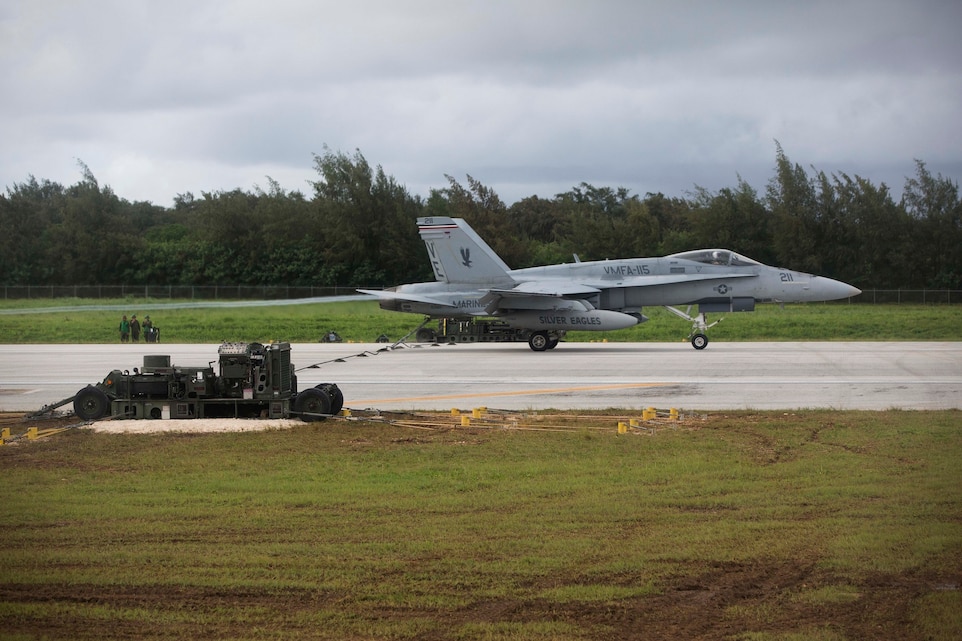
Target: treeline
357	229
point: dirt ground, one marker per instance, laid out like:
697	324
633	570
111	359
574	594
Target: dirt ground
728	600
717	603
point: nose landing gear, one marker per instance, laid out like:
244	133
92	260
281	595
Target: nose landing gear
699	325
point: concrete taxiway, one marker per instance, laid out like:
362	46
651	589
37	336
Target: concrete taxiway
835	375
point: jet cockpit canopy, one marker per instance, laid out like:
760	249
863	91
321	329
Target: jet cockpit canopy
716	257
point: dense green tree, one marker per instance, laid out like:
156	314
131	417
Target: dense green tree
345	202
792	199
732	219
367	221
165	254
357	229
536	219
538	223
28	214
95	240
873	244
674	219
607	223
933	202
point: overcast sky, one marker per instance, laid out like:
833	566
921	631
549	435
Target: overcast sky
529	97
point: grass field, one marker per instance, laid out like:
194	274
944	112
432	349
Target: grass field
365	321
744	526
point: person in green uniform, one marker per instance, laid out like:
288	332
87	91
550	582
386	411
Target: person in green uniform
134	329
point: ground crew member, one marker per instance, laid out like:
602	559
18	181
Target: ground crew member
134	329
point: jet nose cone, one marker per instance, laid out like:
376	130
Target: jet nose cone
829	289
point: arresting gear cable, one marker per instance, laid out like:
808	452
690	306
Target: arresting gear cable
401	343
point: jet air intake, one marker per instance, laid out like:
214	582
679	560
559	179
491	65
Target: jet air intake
596	320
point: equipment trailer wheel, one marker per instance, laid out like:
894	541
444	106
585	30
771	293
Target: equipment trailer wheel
699	341
311	402
91	403
334	393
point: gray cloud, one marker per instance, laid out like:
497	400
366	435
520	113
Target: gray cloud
528	97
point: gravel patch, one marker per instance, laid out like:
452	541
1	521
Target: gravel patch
195	425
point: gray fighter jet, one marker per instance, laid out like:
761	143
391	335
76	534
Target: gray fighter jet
602	295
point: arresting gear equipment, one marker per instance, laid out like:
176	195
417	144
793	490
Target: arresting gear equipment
252	380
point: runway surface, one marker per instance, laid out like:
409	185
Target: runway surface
769	376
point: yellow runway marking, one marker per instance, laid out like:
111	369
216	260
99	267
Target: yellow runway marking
552	390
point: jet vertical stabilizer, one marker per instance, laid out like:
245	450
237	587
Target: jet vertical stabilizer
459	256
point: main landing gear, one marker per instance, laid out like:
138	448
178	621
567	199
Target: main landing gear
542	340
699	325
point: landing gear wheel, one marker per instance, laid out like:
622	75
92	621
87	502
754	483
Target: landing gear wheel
539	341
699	341
311	402
553	342
426	336
91	403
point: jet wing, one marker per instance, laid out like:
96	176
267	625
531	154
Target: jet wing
413	298
555	288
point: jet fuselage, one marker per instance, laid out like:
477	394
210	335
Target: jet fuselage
631	284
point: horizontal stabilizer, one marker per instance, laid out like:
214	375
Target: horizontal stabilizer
384	294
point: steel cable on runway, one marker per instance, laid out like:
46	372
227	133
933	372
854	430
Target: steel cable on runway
399	344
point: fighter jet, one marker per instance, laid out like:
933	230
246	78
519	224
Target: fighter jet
473	281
